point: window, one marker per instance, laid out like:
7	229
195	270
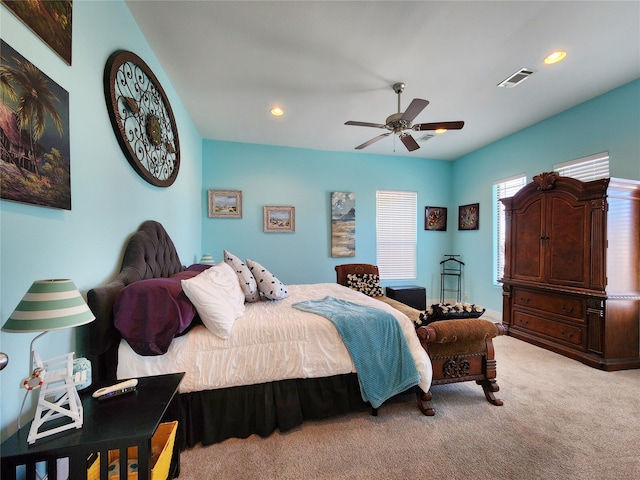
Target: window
503	189
396	234
585	169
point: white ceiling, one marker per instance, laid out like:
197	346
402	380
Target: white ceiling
326	62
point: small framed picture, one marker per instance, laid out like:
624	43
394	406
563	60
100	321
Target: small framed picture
279	219
435	218
469	217
225	203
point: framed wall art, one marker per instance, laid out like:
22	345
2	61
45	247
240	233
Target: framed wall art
435	218
279	219
50	20
225	204
343	224
34	147
469	217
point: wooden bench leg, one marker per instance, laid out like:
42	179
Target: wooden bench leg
490	386
423	403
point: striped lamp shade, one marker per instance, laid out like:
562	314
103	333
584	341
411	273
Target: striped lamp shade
207	259
49	305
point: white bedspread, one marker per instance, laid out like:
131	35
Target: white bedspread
271	341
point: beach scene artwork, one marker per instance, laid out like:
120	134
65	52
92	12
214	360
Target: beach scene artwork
279	219
343	224
225	203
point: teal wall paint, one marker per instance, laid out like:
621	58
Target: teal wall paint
109	200
305	179
610	122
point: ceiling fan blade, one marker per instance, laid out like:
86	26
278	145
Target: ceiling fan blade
409	142
373	140
438	125
415	107
365	124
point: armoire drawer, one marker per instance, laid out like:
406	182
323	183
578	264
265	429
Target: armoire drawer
566	333
572	307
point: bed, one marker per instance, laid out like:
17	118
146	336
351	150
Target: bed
231	387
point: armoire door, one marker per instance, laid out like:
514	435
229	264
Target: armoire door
527	252
566	241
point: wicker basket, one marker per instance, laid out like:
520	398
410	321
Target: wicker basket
162	450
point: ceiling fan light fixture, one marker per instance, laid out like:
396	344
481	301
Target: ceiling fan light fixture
277	112
397	123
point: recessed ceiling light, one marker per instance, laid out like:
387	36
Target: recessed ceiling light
555	57
277	112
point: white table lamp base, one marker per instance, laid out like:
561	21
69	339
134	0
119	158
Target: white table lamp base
58	397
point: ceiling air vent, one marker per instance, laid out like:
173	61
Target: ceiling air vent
516	78
425	137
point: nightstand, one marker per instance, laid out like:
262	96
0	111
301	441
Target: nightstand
115	424
411	295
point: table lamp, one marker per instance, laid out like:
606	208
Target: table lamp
207	259
51	305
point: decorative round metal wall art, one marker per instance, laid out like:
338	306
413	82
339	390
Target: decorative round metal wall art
142	118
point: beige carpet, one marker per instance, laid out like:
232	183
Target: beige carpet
560	420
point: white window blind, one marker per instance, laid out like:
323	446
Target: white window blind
593	167
503	189
396	234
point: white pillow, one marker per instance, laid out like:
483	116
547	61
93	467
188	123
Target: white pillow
247	282
268	284
218	298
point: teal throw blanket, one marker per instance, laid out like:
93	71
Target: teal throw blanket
377	345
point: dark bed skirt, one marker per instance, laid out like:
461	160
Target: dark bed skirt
215	415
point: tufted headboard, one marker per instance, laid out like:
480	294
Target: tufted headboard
150	253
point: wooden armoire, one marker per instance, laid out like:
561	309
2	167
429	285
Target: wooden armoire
572	277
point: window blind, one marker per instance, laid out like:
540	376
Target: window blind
593	167
503	189
396	234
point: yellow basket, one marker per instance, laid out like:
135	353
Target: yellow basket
161	450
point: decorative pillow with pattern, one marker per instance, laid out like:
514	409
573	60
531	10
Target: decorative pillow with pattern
449	311
270	287
367	283
246	279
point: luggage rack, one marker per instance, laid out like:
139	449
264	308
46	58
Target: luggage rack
451	268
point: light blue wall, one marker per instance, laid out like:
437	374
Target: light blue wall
608	123
109	200
305	179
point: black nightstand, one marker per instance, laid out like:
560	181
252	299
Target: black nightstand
411	295
114	424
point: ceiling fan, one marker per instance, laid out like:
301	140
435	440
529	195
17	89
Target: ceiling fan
399	122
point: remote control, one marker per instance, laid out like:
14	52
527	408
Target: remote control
117	389
116	393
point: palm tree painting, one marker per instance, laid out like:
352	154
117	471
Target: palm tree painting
34	134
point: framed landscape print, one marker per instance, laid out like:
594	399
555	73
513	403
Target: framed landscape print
469	217
435	218
50	20
279	219
35	147
343	224
225	204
